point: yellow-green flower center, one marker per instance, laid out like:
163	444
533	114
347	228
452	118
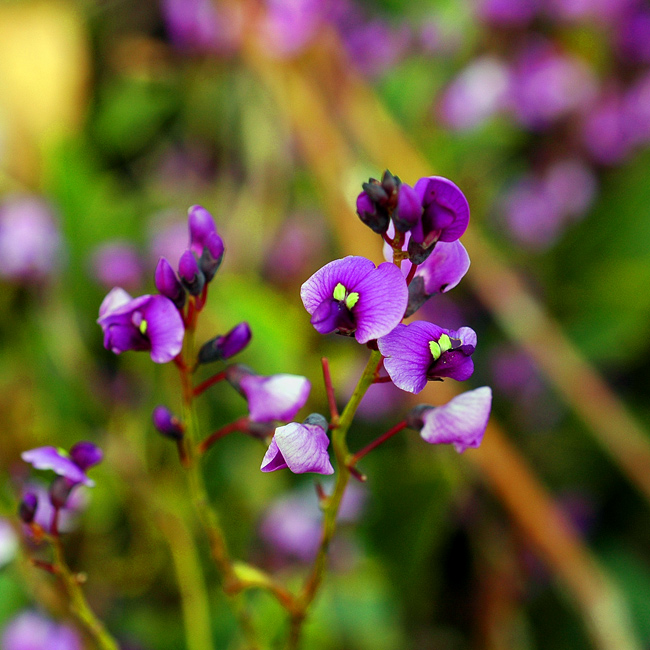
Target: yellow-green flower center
143	327
438	347
341	294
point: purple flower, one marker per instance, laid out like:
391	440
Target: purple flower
445	215
351	296
288	27
278	397
201	225
191	275
168	284
477	93
300	447
461	422
507	12
423	351
31	631
224	347
30	244
117	264
408	211
77	500
71	465
205	243
145	323
167	423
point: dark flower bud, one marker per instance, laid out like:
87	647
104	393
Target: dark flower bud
60	491
415	417
212	256
27	508
167	423
86	454
191	275
224	347
201	225
372	214
408	211
168	284
390	183
376	193
235	373
317	420
417	296
260	430
418	254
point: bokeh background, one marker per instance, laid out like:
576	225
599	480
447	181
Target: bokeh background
116	116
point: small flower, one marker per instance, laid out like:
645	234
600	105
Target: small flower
377	201
144	323
226	346
201	225
117	263
421	351
31	631
167	423
351	296
445	215
190	273
71	465
278	397
300	447
461	422
408	211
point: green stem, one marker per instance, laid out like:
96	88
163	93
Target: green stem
77	601
341	453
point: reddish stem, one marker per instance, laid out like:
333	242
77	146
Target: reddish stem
54	526
200	300
46	566
362	478
215	379
238	425
381	380
387	239
331	400
375	443
411	274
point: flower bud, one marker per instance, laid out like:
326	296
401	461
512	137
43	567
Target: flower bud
86	454
408	211
224	347
372	214
168	284
191	275
167	423
212	256
27	508
201	225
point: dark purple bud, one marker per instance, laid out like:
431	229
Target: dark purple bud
211	256
390	183
60	491
417	296
415	417
168	284
201	225
191	275
376	193
86	454
224	347
418	254
167	423
408	212
235	373
27	508
260	430
372	214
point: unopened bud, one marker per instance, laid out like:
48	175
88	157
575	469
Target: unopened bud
168	284
212	256
414	418
60	491
191	275
167	423
224	347
86	454
27	508
201	225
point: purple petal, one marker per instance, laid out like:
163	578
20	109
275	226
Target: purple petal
86	454
278	397
302	448
349	271
461	422
165	328
444	268
447	203
115	299
383	296
58	461
407	354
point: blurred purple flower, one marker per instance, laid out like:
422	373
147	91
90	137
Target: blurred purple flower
421	351
350	296
76	503
300	447
605	129
72	466
288	27
30	243
547	85
167	423
117	264
461	422
278	397
634	36
202	26
145	323
168	239
478	92
32	631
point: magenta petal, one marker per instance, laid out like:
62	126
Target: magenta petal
407	354
383	296
165	329
303	448
461	422
278	397
349	271
114	299
58	461
444	268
